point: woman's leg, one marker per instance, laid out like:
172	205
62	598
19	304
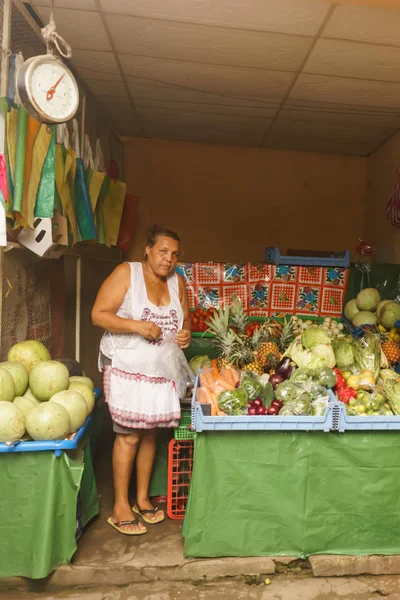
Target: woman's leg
124	452
144	466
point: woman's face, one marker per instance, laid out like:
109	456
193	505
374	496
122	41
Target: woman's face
163	256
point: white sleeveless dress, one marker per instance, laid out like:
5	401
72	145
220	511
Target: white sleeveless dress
137	396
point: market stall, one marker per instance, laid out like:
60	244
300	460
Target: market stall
272	475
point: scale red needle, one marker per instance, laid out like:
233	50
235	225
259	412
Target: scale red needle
52	90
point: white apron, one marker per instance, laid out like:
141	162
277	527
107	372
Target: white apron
139	396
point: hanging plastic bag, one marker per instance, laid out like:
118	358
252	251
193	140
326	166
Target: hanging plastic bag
129	222
83	209
393	204
65	177
45	198
112	211
94	178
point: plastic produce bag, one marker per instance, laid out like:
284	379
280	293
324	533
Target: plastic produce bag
173	365
367	353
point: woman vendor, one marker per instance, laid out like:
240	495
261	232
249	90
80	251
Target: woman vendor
138	305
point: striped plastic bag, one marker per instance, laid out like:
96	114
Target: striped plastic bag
393	204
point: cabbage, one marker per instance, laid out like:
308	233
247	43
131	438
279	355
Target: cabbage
299	406
326	353
253	388
314	336
343	353
198	362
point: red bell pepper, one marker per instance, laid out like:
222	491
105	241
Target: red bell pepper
340	380
345	393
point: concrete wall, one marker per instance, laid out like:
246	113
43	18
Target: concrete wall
381	182
228	203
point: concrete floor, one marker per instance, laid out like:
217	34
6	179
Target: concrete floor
282	587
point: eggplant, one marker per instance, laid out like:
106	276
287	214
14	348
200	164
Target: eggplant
285	368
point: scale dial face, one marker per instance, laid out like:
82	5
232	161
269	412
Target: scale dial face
48	89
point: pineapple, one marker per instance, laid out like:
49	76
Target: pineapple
391	351
249	362
239	321
226	340
287	333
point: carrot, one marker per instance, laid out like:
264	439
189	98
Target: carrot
214	363
234	374
207	396
224	384
227	376
221	413
202	396
203	380
214	405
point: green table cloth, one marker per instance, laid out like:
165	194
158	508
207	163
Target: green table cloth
294	494
38	507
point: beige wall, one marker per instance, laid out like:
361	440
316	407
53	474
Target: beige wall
229	203
382	180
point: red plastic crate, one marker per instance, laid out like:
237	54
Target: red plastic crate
180	466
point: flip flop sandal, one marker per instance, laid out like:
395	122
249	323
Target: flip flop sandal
119	524
143	513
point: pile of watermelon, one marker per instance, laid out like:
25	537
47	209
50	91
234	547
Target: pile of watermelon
41	397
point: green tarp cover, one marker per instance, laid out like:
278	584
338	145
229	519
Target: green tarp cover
38	502
294	494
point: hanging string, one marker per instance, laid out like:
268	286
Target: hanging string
52	38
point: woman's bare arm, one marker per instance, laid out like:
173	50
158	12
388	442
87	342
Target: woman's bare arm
108	301
183	337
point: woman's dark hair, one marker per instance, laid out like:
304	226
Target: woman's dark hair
155	231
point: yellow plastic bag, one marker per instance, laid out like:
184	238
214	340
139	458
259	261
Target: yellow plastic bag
112	211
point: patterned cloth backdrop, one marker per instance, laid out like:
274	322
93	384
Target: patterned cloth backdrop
267	290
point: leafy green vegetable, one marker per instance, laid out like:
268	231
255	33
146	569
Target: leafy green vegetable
286	392
302	404
319	406
386	374
252	386
233	402
314	336
343	353
326	377
299	376
326	353
198	362
367	353
391	389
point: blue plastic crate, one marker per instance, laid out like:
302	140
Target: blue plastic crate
367	423
274	257
200	422
57	446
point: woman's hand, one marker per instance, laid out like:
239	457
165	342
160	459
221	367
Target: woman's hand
147	329
183	338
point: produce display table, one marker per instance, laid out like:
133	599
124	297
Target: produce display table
38	508
294	494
